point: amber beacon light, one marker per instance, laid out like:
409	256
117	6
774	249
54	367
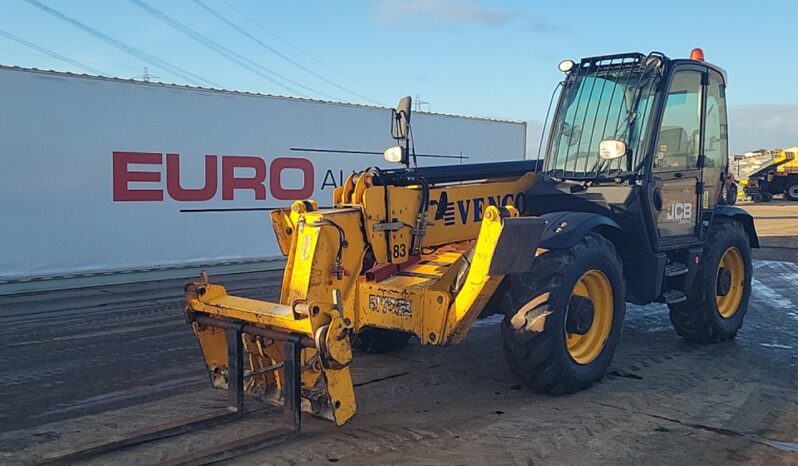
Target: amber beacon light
697	54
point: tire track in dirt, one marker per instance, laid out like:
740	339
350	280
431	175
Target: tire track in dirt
460	404
129	340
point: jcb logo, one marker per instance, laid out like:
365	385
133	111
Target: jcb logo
681	212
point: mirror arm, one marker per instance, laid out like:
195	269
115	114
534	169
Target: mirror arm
394	125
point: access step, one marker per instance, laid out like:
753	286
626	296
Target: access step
673	297
675	269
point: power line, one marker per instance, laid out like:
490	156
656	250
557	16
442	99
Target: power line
49	52
297	49
129	49
218	48
116	65
278	53
236	58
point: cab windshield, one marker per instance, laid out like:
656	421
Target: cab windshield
610	99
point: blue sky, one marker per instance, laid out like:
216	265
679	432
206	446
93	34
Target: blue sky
468	57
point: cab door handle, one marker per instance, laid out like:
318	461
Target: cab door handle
657	199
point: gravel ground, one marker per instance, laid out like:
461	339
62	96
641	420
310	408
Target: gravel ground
81	366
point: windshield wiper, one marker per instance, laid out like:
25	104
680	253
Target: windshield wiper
586	183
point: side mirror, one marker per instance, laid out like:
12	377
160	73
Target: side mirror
611	149
401	119
395	154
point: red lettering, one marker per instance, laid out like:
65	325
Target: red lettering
230	183
123	176
285	163
178	193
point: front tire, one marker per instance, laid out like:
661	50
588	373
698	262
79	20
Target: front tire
715	307
566	353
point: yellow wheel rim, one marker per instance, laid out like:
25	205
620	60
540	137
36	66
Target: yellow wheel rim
594	285
732	260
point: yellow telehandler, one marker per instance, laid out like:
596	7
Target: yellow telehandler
765	173
623	209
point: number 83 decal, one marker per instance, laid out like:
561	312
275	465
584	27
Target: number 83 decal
399	250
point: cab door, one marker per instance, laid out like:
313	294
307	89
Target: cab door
675	171
716	140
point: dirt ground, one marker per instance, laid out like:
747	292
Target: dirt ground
81	366
777	226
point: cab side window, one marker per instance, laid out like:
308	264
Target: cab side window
679	136
716	147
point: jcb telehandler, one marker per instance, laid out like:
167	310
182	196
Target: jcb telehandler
624	209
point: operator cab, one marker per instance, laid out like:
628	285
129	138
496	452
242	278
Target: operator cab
641	139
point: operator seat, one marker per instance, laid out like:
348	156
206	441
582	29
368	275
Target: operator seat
674	145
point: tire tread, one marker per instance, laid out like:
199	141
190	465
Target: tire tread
532	355
691	319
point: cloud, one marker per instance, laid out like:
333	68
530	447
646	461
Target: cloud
451	11
762	126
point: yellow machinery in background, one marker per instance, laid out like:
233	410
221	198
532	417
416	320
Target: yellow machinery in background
765	173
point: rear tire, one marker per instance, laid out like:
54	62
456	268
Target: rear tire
552	360
708	315
792	191
380	340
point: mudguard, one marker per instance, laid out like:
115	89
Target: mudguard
739	215
565	229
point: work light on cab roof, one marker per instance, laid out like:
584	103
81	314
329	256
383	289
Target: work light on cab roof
566	65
